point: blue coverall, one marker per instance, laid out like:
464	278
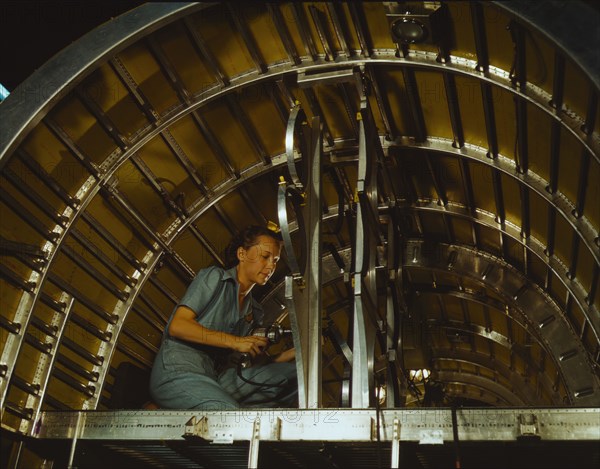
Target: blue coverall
188	376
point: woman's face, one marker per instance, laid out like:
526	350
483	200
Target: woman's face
258	262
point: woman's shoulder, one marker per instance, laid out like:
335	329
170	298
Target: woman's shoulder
213	270
210	275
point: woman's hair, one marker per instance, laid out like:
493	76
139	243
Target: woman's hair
246	238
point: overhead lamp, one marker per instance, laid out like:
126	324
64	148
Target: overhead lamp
409	31
415	24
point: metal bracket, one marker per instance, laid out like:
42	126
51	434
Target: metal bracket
198	428
296	121
528	426
222	438
255	439
345	75
297	200
395	444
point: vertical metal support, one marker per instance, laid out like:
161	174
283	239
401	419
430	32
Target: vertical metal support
367	323
365	289
293	295
395	463
254	442
455	438
362	332
303	288
77	433
394	308
314	213
15	454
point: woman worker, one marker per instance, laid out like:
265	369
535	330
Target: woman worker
211	321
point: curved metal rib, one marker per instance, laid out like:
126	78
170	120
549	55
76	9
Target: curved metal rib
558	338
284	192
297	118
60	74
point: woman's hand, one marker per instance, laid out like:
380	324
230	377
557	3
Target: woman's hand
184	326
254	345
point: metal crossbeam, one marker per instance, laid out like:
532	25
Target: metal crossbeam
335	424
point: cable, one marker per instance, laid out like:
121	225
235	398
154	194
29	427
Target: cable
282	384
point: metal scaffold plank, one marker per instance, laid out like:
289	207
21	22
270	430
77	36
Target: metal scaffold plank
331	424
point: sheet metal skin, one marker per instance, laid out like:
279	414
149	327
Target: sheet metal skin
53	80
563	343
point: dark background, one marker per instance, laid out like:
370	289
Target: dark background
31	32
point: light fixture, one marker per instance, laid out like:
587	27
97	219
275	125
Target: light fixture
407	30
380	394
419	375
415	24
